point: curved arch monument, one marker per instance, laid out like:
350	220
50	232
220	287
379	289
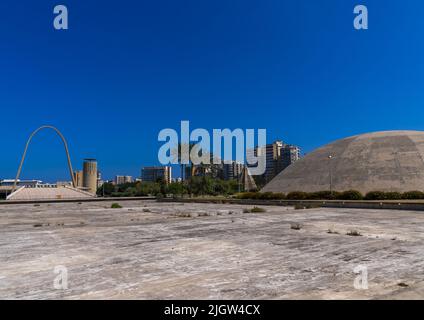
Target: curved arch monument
65	144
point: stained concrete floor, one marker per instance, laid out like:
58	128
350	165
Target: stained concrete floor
151	250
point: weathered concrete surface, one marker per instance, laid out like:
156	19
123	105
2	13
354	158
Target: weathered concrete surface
201	251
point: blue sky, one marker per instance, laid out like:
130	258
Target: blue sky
127	69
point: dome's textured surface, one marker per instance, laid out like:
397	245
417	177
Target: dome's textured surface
384	161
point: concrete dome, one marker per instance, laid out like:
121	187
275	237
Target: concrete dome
384	161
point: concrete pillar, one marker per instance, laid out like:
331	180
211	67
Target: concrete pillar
90	175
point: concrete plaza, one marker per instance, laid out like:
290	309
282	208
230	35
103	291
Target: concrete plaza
152	250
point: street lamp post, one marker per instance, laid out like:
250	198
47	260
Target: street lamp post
239	176
330	173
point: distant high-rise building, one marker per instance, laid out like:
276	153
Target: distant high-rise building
232	170
278	157
272	154
123	179
289	155
155	174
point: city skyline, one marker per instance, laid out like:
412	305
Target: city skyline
76	177
300	70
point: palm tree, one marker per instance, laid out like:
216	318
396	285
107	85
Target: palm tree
211	166
176	154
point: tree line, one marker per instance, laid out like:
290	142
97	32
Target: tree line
195	186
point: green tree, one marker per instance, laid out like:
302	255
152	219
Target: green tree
108	189
176	189
176	154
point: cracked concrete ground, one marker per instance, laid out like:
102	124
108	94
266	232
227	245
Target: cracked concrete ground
151	250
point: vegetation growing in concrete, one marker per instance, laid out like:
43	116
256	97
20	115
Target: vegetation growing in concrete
332	231
354	233
37	225
254	210
295	226
184	215
301	206
116	206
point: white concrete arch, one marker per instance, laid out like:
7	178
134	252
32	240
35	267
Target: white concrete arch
65	144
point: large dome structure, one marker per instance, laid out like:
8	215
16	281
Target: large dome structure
383	161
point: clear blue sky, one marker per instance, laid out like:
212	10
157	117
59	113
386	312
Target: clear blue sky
127	69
